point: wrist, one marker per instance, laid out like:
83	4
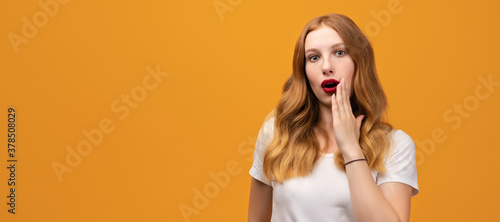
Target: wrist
353	154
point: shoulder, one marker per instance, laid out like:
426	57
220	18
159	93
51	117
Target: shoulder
269	123
401	146
265	134
401	161
269	120
268	126
400	138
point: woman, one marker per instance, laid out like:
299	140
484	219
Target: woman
326	154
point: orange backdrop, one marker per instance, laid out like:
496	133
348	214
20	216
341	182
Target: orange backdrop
149	110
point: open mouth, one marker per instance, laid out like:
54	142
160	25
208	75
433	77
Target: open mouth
329	85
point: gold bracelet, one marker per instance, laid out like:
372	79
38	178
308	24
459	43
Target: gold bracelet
353	161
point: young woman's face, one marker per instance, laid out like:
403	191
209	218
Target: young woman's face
327	62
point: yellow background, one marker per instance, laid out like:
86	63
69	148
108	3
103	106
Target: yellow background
224	76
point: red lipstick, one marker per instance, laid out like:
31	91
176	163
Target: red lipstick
329	85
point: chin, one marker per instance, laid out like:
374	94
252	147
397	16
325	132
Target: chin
326	102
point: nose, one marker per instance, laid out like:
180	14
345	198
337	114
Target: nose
327	67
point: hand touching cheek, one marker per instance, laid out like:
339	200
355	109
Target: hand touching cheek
345	125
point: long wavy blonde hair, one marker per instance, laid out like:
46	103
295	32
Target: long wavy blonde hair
294	148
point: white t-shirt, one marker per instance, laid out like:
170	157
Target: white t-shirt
323	195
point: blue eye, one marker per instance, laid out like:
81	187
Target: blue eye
313	57
339	52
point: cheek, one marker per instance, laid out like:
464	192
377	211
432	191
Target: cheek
310	73
351	77
349	71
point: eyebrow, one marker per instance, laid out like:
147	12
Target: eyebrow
333	46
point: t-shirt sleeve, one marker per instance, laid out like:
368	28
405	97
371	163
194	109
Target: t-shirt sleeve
401	162
263	139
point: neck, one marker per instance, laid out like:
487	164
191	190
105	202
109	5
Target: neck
326	118
326	122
